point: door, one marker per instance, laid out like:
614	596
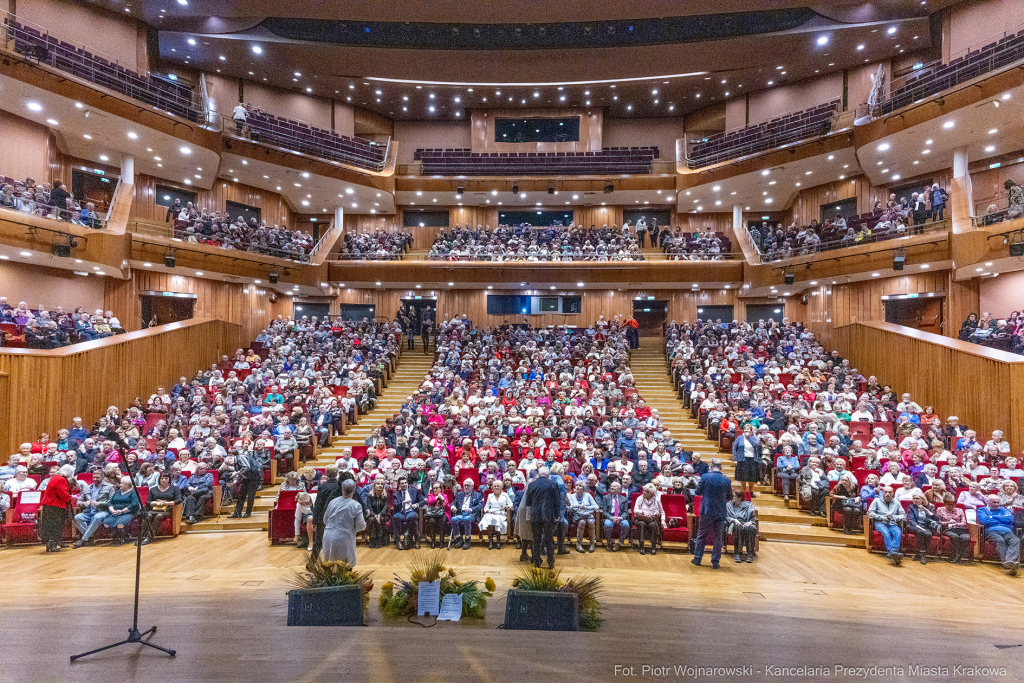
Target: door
166	309
420	310
715	313
651	317
919	313
300	310
92	187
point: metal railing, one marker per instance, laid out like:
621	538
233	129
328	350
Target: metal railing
924	80
790	135
37	43
75	217
874	238
328	148
169	232
993	211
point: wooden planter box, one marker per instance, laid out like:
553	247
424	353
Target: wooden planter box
541	611
336	606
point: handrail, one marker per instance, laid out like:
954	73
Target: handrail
168	232
921	71
912	231
305	147
36	42
787	138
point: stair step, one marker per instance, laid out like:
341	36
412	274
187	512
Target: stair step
805	533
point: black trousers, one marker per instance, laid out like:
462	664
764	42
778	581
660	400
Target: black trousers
412	342
924	538
543	541
959	538
195	504
426	343
247	494
743	537
641	237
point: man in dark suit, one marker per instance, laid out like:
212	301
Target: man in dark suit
405	519
465	510
329	489
715	490
542	499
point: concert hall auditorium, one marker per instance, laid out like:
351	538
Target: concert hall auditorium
690	327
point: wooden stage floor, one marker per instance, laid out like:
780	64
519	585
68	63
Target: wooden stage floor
219	599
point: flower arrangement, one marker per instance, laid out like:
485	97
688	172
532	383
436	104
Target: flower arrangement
319	574
398	598
587	587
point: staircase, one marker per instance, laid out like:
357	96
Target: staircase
412	368
778	522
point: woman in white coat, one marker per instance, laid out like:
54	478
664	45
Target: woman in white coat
495	517
343	520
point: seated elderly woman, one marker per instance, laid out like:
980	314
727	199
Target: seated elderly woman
583	510
739	515
121	510
846	497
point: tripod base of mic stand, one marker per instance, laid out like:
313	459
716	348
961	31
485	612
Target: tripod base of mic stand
134	636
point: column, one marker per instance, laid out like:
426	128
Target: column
128	170
737	217
961	195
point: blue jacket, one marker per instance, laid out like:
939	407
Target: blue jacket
562	495
626	444
476	503
996	520
739	448
398	498
715	490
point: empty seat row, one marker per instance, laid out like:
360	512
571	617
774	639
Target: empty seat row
632	160
301	137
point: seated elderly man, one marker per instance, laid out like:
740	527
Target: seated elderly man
93	500
998	524
615	510
814	486
887	514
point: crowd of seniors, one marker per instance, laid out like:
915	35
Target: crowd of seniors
217	229
42	328
1005	334
232	419
378	245
698	246
525	242
805	418
898	218
501	407
49	201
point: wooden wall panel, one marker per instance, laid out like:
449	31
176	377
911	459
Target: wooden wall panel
46	389
716	222
473	216
957	378
274	209
599	216
247	306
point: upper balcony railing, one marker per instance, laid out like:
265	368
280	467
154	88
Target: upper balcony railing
166	93
781	131
607	161
874	237
299	137
925	80
177	233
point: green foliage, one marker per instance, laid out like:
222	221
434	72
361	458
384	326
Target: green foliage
399	598
587	587
319	574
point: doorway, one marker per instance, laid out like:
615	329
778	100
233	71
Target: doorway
919	312
651	317
420	310
766	312
166	307
723	313
308	310
847	208
93	187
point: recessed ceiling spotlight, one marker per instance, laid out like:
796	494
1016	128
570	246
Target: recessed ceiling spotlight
948	124
185	150
52	122
34	106
990	148
822	40
257	49
860	47
191	41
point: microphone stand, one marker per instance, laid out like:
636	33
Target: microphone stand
134	636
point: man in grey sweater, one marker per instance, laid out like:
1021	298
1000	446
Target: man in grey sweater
887	514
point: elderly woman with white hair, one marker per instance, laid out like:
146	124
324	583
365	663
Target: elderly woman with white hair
846	497
55	510
19	482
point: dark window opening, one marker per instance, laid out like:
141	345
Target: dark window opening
537	130
247	212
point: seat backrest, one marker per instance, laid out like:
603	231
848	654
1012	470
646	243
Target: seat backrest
286	500
674	504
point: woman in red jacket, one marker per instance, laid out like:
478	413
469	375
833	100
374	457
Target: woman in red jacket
53	513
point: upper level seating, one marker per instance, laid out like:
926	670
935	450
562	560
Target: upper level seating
696	246
379	245
896	220
301	137
786	129
534	243
31	198
609	161
217	229
937	77
1005	334
40	328
171	96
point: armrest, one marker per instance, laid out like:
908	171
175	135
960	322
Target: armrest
867	532
977	535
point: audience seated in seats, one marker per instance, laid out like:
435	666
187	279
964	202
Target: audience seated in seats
41	328
699	246
526	242
898	218
192	224
379	245
1005	334
725	372
48	202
